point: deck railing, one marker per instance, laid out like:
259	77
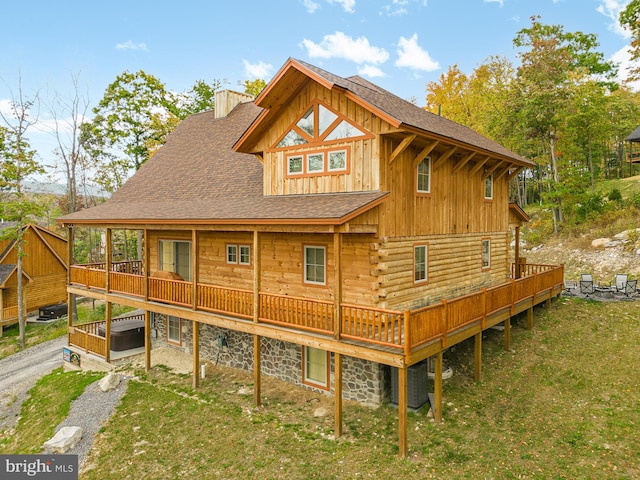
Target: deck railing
8	315
87	336
383	327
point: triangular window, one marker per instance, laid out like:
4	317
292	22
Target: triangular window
320	124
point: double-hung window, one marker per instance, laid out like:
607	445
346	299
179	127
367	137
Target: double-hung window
420	258
315	266
174	330
486	254
423	176
488	187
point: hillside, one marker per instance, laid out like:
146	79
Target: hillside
606	244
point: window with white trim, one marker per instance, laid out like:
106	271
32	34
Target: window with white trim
423	181
486	254
488	187
315	367
239	254
174	329
420	258
315	265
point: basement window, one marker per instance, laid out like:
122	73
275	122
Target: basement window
315	368
174	330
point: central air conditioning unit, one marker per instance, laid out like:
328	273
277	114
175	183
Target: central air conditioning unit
417	394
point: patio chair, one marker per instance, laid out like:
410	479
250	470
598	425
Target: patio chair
570	286
587	286
630	287
621	282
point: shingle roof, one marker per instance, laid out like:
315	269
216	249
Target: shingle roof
5	272
634	136
197	177
411	115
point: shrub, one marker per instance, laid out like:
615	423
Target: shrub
615	195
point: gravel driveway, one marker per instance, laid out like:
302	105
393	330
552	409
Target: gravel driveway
20	371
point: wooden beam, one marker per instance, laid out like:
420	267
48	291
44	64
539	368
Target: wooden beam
196	354
402	147
444	157
490	171
107	331
147	340
403	406
337	287
437	389
515	172
337	390
463	162
478	165
530	318
478	357
107	257
424	153
256	276
257	375
147	264
501	173
194	269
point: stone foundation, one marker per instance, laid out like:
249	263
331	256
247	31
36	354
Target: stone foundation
362	381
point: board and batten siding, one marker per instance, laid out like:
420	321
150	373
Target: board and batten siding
456	204
364	168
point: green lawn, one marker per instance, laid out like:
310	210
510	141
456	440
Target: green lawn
564	403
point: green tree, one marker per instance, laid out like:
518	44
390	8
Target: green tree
200	98
125	124
254	87
18	163
630	18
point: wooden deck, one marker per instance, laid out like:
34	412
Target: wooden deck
406	336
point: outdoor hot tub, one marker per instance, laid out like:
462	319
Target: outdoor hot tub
125	334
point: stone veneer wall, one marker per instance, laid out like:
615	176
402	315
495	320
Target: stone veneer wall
362	381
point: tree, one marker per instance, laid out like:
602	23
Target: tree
254	87
125	124
630	18
18	163
69	114
200	98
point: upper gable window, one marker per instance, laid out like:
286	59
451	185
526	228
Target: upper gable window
423	176
319	124
488	187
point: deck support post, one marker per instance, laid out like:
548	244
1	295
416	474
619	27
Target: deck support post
337	391
403	406
107	331
196	354
507	334
437	388
530	318
478	357
147	340
256	370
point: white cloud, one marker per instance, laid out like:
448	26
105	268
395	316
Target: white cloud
370	71
611	9
623	58
310	5
411	55
129	45
349	6
257	70
5	107
499	2
339	45
401	7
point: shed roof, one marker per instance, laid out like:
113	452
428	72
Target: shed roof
634	136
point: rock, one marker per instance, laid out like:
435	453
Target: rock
109	382
245	391
600	242
64	440
320	412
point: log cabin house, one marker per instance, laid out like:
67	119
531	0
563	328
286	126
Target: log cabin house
328	233
44	270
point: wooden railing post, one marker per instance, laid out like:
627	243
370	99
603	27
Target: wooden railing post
407	335
443	320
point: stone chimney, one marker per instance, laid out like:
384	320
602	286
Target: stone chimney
226	100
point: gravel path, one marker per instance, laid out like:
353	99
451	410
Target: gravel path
19	372
90	411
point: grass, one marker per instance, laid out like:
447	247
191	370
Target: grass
563	403
48	405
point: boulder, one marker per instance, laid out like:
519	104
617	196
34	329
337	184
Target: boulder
109	382
64	440
600	242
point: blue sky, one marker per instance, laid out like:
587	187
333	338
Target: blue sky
398	44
